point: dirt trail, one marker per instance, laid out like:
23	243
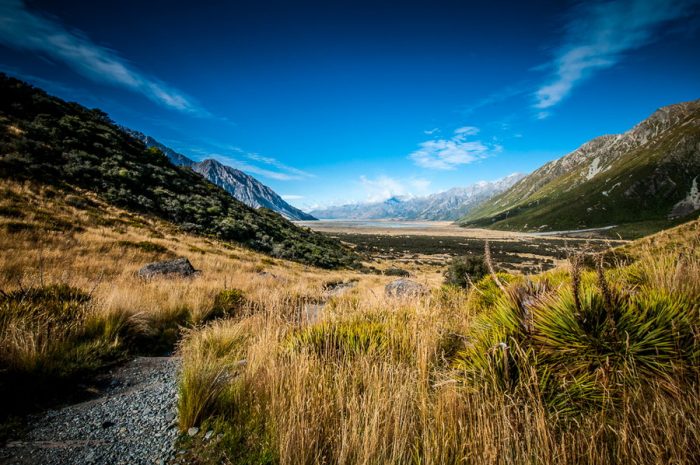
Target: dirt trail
133	422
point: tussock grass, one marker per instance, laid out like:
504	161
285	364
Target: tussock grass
485	376
474	376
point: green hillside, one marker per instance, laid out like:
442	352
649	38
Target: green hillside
640	181
48	140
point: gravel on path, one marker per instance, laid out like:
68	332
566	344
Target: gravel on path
133	422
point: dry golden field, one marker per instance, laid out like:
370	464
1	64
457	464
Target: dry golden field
575	365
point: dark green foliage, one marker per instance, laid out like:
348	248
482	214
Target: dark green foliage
508	255
397	272
465	270
228	303
52	141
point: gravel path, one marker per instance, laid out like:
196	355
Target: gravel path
133	422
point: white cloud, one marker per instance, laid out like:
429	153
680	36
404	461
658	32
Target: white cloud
291	197
385	187
598	36
252	169
447	154
277	164
430	132
23	29
467	131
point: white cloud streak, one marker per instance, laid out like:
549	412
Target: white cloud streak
385	187
598	36
23	29
447	154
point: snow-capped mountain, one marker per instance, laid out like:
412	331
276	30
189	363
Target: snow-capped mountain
443	206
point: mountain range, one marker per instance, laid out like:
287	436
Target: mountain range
644	179
240	185
449	205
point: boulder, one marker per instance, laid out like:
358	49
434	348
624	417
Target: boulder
405	288
180	267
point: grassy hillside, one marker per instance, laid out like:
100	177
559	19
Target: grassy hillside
48	140
641	177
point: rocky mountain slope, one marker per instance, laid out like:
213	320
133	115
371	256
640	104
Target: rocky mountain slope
443	206
44	139
645	178
240	185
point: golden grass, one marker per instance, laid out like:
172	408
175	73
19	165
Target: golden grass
272	379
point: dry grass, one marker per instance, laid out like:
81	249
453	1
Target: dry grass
394	387
366	379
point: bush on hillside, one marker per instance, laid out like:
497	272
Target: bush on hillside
465	270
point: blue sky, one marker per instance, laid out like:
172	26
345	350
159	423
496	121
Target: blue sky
344	101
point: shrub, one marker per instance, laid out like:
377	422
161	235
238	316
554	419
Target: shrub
465	270
397	272
227	303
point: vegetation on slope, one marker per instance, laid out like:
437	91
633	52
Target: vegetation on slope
574	365
637	185
48	140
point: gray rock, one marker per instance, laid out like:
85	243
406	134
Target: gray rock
180	267
193	431
402	288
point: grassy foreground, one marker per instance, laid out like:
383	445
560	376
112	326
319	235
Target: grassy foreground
576	365
548	369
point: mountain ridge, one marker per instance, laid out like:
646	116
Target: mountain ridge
645	174
239	184
448	205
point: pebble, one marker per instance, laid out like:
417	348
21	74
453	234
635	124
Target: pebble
141	400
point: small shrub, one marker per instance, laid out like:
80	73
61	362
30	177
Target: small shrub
227	303
397	272
463	270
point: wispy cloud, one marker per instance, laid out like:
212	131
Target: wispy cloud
250	168
23	29
597	37
447	154
291	197
385	187
278	165
430	132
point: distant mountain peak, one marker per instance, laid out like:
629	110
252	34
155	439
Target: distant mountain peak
240	185
448	205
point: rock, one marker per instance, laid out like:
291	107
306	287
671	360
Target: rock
107	424
208	436
193	431
179	267
336	288
405	288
